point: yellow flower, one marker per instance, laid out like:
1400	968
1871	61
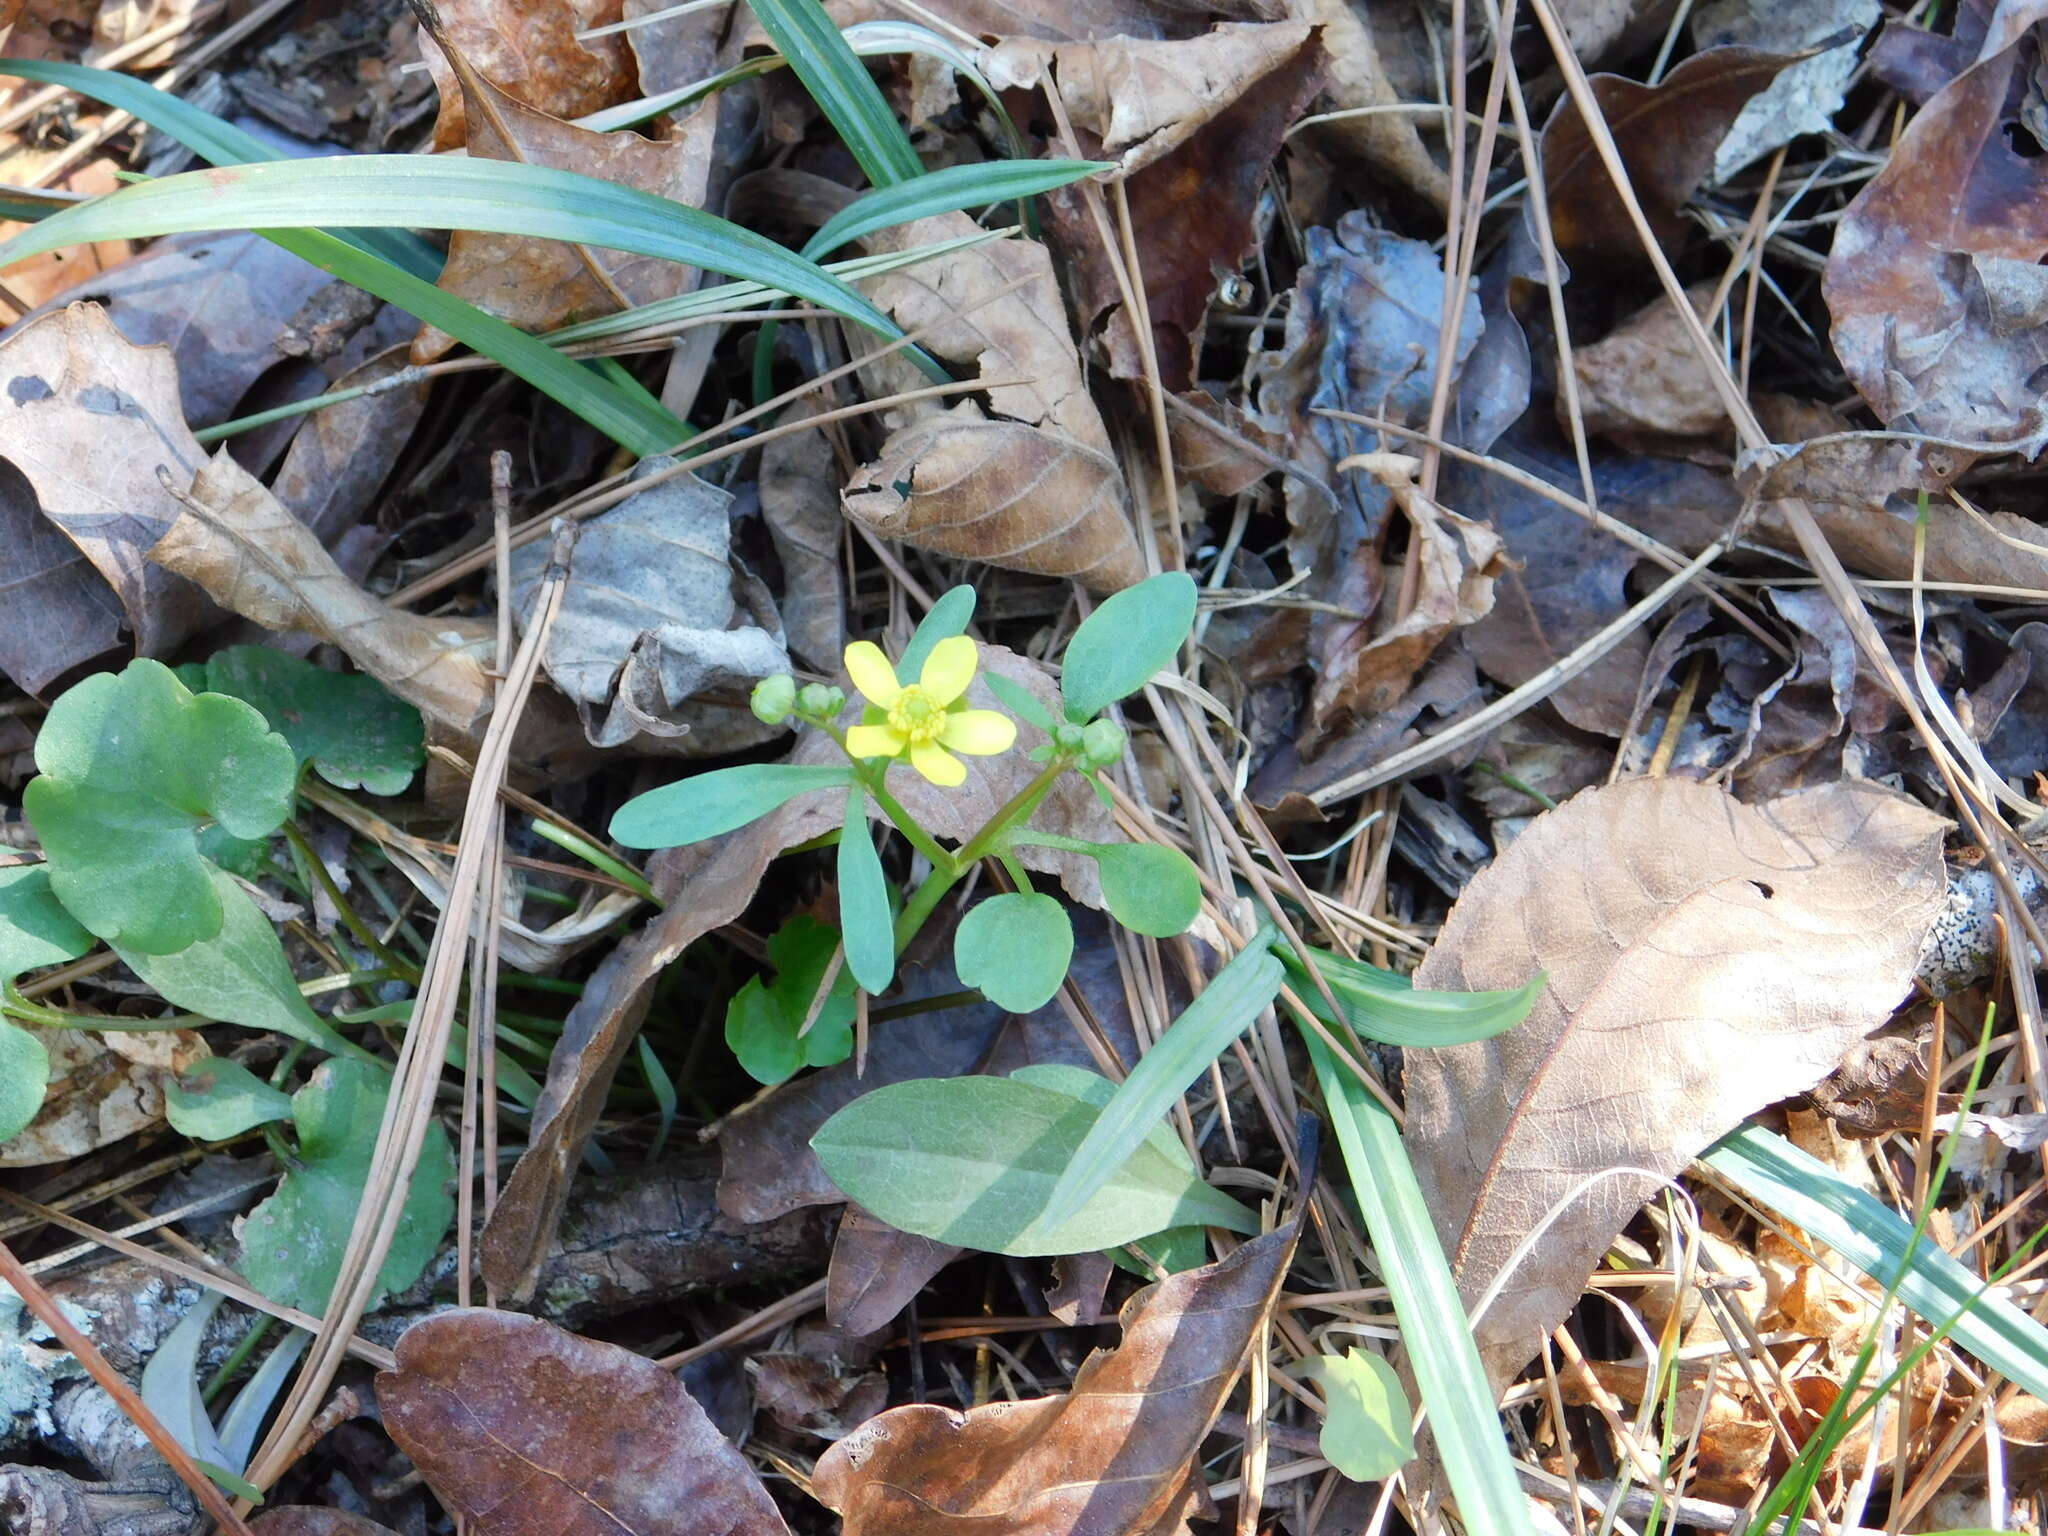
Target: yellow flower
922	719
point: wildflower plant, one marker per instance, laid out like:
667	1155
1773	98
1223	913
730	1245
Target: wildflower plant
915	717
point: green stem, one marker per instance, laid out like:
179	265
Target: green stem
925	899
316	870
597	858
237	1358
871	780
15	1006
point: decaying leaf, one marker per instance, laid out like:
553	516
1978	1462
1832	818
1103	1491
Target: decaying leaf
530	49
1643	384
539	285
1114	1455
87	420
530	1430
1939	303
657	612
801	508
341	455
1044	458
103	1088
1378	131
876	1271
1705	958
1667	134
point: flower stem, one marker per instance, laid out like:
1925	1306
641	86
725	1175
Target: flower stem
925	899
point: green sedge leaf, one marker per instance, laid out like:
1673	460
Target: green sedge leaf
947	190
868	930
709	804
1225	1009
1367	1433
1016	948
134	764
1386	1007
1125	643
1150	889
841	86
217	1098
970	1161
949	616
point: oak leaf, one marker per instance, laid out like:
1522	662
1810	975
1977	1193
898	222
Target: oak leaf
530	49
1705	959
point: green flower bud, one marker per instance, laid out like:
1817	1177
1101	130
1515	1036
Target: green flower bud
1102	743
1067	738
774	698
820	701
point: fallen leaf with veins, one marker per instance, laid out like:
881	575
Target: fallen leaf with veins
1377	132
86	420
1112	1456
529	1430
1705	958
529	49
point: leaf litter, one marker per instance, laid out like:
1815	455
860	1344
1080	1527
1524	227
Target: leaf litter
1430	434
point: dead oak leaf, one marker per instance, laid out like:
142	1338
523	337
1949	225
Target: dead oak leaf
1704	958
530	49
1112	1457
530	1430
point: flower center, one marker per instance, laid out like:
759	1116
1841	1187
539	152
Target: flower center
916	716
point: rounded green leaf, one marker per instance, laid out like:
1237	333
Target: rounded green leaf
970	1161
219	1097
1123	644
35	930
764	1023
354	733
708	804
24	1077
292	1243
1367	1432
1148	888
134	765
1016	949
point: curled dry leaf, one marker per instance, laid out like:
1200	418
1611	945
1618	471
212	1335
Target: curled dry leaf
529	1430
539	285
997	308
86	421
1939	303
1112	1457
529	48
1666	133
1378	132
1805	98
1705	958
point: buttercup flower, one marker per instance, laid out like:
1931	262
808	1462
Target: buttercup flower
921	720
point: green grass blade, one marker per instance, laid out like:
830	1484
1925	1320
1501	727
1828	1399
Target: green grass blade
213	139
1434	1330
448	193
1203	1032
1873	1237
1385	1007
841	86
945	191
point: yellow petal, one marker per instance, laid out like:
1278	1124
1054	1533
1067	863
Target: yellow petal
874	741
937	764
871	672
949	669
979	731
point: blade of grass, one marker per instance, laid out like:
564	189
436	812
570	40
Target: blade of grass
1204	1030
213	139
1434	1330
841	86
945	191
1873	1237
499	196
1385	1007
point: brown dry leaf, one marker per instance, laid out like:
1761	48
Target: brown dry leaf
313	1520
123	21
103	1088
877	1270
800	505
1112	1457
1667	134
1939	303
344	452
1368	669
1044	457
1705	958
1385	139
529	1430
539	285
1643	384
87	420
1194	127
529	49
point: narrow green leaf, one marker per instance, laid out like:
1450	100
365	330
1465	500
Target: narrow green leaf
707	804
663	1087
1149	888
252	1404
1873	1237
1387	1007
947	190
970	1160
1367	1433
865	924
1204	1030
218	1097
1017	699
216	141
1123	644
1016	947
1433	1326
170	1382
949	616
841	86
24	1078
